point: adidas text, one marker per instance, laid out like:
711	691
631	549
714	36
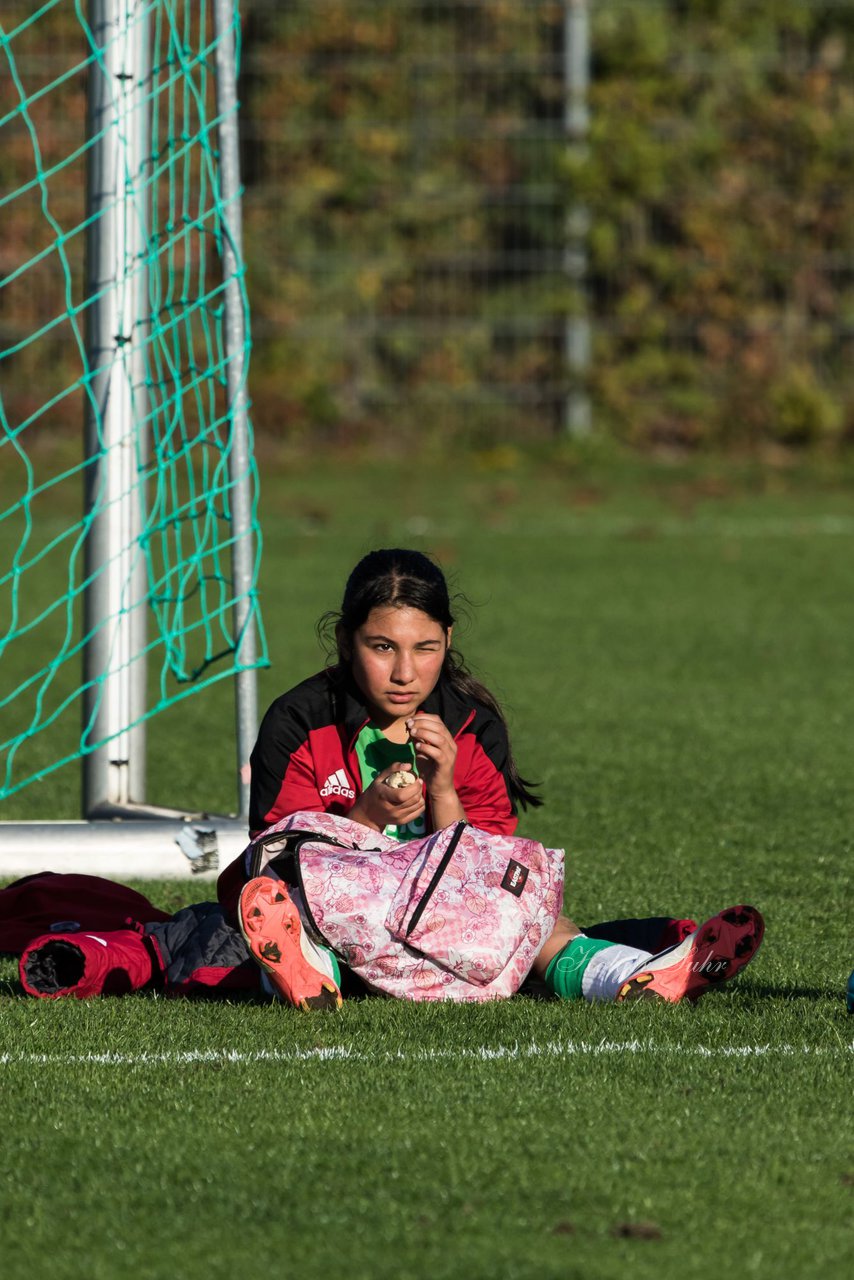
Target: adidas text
338	784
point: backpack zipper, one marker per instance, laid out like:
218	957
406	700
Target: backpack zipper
436	877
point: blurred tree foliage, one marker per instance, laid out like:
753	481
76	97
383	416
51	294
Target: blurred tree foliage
408	184
41	248
403	164
719	184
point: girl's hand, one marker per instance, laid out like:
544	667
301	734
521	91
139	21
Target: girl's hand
381	805
435	754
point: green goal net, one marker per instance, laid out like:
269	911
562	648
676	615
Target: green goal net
122	306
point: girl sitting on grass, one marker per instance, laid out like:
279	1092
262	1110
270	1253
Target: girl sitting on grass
400	698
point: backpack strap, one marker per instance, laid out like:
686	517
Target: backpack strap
281	850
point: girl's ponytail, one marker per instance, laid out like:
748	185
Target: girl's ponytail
458	675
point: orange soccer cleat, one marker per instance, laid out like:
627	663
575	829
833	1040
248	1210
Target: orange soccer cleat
709	956
271	925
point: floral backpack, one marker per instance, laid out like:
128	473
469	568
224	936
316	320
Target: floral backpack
457	915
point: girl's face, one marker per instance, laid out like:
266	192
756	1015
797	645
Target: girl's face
397	656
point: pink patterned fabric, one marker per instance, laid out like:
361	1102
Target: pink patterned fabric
458	915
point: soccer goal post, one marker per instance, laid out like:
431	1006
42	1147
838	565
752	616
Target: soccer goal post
168	530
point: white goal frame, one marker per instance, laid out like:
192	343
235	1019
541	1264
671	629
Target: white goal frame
119	833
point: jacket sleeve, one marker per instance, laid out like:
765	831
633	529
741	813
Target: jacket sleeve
283	775
481	781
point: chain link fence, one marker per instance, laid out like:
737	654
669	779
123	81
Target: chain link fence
403	167
450	234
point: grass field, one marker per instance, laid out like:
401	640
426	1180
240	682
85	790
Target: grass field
674	652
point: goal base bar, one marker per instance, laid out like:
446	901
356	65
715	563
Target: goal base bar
167	848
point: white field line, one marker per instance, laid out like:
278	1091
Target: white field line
484	1053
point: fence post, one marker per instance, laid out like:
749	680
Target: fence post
577	338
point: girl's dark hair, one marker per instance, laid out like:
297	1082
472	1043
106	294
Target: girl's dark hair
396	577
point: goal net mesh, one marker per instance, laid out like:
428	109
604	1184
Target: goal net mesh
184	441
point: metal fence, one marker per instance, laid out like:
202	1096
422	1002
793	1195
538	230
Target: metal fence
462	235
402	163
450	232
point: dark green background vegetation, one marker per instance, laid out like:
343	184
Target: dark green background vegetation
408	184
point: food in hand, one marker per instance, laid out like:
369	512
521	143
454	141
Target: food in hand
400	778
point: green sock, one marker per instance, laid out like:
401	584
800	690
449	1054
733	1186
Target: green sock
336	968
566	969
322	957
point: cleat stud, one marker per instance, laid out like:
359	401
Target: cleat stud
326	999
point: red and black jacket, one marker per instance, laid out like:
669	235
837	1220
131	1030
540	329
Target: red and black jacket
305	755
